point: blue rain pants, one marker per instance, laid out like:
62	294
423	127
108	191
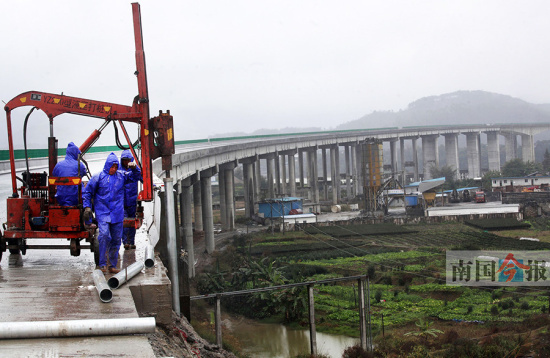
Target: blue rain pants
129	233
109	238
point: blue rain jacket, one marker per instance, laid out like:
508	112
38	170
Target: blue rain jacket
131	187
107	191
68	194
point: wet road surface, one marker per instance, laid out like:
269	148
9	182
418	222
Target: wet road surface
52	285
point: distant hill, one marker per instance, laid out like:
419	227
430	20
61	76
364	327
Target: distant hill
462	107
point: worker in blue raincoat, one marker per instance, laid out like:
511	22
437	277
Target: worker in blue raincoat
130	201
107	191
67	195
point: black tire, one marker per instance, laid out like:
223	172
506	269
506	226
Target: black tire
75	247
23	245
13	242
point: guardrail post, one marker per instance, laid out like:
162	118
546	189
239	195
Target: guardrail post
171	243
218	319
312	332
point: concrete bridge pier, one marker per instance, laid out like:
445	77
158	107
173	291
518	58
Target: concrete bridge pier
257	178
353	164
223	208
277	173
415	159
288	187
348	171
248	184
292	173
313	177
511	146
333	174
186	208
197	203
309	176
403	171
393	157
229	200
360	169
430	154
451	152
338	183
270	163
527	148
325	173
474	154
493	149
207	216
284	186
301	166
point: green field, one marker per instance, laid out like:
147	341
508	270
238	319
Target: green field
406	269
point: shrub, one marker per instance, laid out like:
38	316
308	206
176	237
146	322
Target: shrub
356	351
450	336
494	310
525	306
371	271
506	304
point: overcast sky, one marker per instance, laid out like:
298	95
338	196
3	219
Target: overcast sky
242	65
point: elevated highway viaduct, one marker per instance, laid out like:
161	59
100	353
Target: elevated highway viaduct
293	158
290	162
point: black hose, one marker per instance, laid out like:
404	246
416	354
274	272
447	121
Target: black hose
118	143
25	140
87	168
22	181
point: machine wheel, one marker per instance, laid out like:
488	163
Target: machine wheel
23	246
2	243
95	245
75	247
13	242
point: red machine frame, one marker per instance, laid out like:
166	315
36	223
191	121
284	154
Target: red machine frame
38	215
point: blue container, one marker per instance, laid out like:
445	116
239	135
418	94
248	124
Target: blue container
411	200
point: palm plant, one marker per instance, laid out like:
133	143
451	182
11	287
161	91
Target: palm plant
424	330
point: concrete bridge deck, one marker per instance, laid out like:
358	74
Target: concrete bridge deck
51	285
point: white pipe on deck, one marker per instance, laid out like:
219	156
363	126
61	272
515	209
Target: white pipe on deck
105	293
77	328
149	256
125	274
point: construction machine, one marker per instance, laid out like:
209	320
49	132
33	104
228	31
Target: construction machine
32	210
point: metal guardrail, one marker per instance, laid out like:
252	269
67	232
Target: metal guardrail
364	312
273	288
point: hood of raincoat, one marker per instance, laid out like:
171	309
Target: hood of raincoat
111	159
67	195
127	154
130	188
72	151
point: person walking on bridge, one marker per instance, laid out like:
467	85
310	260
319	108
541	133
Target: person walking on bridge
106	189
130	201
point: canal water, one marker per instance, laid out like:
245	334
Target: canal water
278	341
